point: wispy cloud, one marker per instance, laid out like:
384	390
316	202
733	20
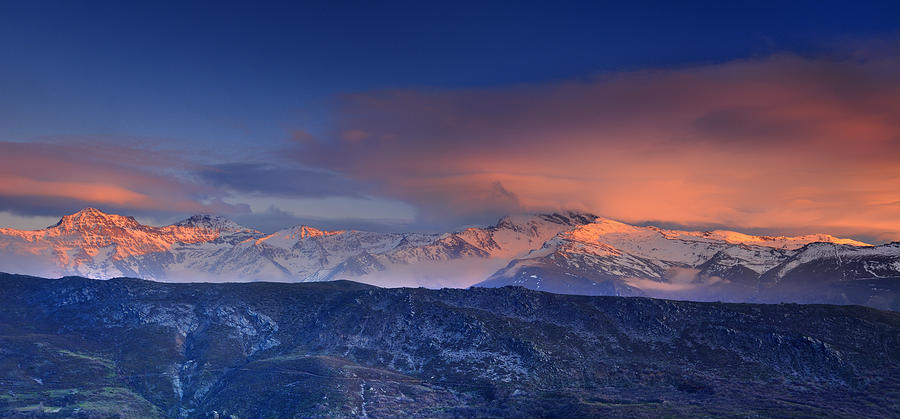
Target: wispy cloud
677	280
270	179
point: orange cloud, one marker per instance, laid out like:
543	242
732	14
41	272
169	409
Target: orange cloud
58	178
784	143
107	194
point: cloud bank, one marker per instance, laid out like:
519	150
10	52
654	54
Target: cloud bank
41	180
784	142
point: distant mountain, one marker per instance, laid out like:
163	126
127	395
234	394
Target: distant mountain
458	259
76	347
208	248
567	252
607	257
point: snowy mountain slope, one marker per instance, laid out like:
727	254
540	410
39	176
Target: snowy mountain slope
676	247
308	254
621	250
201	248
512	236
607	257
459	259
830	261
91	242
210	248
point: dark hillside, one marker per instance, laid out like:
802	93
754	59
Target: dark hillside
76	346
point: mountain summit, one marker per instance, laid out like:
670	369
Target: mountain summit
92	218
211	222
105	245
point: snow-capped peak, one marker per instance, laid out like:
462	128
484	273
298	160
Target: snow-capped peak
211	222
93	218
562	218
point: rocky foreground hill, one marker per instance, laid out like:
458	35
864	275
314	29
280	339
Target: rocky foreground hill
80	347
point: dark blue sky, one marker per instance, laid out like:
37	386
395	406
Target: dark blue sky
250	71
198	106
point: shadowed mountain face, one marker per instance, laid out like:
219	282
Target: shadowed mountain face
144	349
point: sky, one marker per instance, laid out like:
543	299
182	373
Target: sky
764	117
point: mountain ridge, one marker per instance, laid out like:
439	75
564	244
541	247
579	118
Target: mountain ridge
610	257
568	252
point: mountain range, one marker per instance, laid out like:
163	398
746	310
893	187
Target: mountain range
77	347
566	252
